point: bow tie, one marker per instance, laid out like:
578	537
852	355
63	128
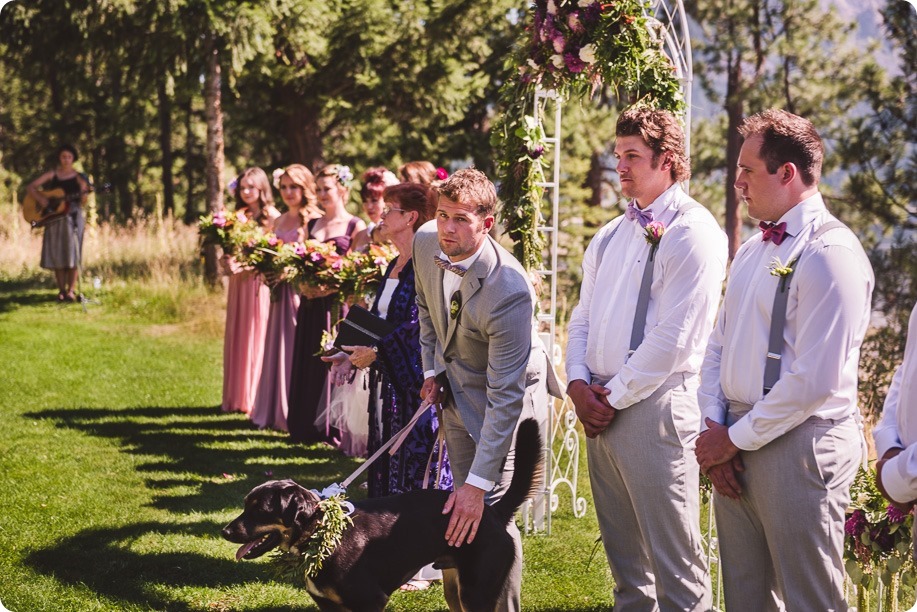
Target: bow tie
448	265
642	216
775	232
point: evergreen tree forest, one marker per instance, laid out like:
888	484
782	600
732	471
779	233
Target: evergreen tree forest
168	99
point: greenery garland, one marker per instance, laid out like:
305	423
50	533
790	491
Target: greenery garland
304	561
575	48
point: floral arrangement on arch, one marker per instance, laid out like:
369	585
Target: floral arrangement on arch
574	47
877	543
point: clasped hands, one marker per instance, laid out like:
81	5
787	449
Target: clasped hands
719	459
890	454
592	408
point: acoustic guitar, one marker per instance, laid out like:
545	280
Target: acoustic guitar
59	204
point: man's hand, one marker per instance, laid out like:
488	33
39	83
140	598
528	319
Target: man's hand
466	506
725	477
592	407
889	454
714	446
431	391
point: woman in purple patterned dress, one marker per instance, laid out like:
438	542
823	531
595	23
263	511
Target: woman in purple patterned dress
396	373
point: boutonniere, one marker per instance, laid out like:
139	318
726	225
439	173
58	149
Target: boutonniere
653	232
454	304
780	270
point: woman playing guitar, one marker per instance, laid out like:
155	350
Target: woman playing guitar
62	246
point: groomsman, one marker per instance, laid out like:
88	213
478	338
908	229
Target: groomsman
481	357
779	383
896	433
652	280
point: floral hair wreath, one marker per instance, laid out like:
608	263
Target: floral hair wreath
276	174
344	175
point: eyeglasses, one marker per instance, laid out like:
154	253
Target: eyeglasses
387	210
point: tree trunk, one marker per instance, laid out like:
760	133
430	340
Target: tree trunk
304	133
213	113
190	207
735	115
165	145
594	180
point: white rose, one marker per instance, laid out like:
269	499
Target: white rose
558	61
587	54
532	63
584	3
552	8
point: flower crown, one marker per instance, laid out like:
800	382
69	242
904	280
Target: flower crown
341	173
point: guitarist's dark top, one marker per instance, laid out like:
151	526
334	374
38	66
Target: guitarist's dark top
63	239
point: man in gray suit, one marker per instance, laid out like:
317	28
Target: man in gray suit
476	307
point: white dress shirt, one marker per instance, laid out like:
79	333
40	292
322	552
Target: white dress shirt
827	316
898	426
687	284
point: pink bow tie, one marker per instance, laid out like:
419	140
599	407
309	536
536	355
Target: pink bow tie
776	233
642	216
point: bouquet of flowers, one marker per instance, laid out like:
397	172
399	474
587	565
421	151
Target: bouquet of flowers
361	273
225	229
315	263
877	541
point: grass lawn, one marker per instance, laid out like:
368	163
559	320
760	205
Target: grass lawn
118	470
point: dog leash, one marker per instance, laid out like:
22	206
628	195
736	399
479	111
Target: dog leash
392	446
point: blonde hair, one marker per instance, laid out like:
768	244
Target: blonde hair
302	177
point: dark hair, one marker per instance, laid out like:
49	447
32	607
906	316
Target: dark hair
786	138
412	196
373	183
470	186
662	132
66	147
417	172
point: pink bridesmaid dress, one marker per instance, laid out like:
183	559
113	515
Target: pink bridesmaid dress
271	405
247	308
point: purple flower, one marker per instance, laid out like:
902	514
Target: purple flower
855	524
219	219
573	62
299	250
895	516
535	152
882	538
272	241
316	257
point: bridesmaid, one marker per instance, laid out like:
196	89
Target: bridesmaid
297	188
248	302
309	384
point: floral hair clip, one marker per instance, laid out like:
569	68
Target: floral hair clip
276	174
345	175
232	186
441	174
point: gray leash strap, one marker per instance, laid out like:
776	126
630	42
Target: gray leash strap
778	313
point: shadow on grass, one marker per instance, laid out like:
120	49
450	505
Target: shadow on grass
201	460
26	292
102	560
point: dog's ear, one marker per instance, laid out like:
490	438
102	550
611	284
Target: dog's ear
297	507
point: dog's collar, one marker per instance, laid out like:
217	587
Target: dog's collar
319	544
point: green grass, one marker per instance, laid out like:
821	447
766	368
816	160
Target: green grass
117	469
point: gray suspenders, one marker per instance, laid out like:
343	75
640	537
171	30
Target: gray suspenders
643	298
778	314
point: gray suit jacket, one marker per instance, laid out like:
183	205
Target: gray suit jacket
485	350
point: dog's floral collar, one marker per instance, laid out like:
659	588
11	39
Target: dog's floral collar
305	560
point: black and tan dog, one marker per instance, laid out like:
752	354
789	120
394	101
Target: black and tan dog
392	537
